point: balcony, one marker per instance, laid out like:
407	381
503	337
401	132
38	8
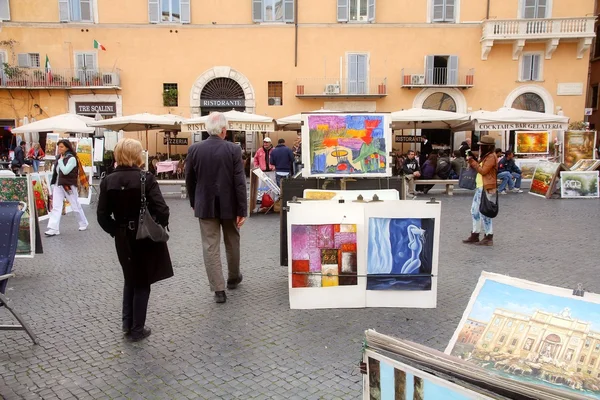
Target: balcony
438	78
38	78
313	88
550	30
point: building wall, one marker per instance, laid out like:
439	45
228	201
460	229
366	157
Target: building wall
222	34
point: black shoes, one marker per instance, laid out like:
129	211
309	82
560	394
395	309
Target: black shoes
220	297
233	283
137	336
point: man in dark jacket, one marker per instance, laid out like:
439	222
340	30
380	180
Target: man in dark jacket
19	159
507	170
426	149
411	171
464	146
216	185
283	159
444	167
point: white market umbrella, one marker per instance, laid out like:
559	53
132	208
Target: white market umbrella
237	121
60	123
294	121
512	116
422	118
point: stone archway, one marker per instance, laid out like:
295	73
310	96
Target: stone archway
221	72
536	89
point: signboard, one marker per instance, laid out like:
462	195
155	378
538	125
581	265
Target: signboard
408	139
512	126
588	111
176	141
233	126
219	103
104	108
570	89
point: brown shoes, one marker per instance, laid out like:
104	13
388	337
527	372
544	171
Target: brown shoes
474	238
488	240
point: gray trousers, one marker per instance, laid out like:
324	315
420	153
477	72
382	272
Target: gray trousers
210	229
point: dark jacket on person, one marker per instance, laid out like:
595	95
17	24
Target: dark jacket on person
215	179
505	165
458	164
19	158
426	149
409	166
443	168
70	179
282	158
464	146
428	170
143	261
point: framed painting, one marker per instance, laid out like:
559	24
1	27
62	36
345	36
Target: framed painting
544	179
42	194
84	152
21	189
402	253
51	148
532	142
586	165
85	194
578	145
532	333
346	145
527	166
579	185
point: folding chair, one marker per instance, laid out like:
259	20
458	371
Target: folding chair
10	221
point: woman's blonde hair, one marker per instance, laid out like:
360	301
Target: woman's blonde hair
128	153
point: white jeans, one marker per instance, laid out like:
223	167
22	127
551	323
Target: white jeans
58	196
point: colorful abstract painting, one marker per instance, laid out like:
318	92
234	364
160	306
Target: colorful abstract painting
578	145
400	253
324	255
527	142
544	178
19	189
532	333
579	184
347	144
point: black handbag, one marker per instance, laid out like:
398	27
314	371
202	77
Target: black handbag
488	207
468	178
147	227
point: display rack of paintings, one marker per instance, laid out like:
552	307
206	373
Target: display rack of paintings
586	165
532	142
578	145
346	145
545	179
20	188
579	184
527	166
351	195
532	333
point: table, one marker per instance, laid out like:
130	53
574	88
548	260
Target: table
166	166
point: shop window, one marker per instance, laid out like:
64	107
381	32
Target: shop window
170	95
273	10
275	91
169	11
443	10
29	60
75	10
355	10
531	67
594	105
4	10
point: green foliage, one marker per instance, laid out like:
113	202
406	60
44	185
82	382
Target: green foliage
12	72
170	98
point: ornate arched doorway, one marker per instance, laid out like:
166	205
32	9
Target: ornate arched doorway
529	101
441	139
550	346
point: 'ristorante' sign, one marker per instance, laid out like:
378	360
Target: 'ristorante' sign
222	103
520	126
234	126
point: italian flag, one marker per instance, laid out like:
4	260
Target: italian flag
98	45
48	69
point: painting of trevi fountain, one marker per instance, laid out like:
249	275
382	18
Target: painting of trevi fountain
532	336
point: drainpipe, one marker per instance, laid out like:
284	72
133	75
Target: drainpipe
487	11
296	33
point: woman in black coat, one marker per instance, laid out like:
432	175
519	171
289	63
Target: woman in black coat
144	262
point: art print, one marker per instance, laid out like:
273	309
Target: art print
20	189
544	179
51	145
527	166
84	194
532	333
528	142
579	184
84	152
578	145
42	194
339	145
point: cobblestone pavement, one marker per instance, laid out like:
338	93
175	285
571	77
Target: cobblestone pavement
255	346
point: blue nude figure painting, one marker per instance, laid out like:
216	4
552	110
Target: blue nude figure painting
400	253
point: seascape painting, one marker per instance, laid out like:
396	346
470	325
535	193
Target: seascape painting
579	184
578	145
400	253
527	142
345	145
324	255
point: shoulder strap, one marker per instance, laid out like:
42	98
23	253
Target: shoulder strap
143	189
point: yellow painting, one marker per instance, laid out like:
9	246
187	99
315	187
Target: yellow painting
527	142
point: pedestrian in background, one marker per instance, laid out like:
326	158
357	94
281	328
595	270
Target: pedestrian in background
216	185
458	164
507	171
18	159
262	158
143	262
65	181
426	149
282	158
36	154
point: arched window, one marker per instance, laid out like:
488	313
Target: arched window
530	102
222	88
440	101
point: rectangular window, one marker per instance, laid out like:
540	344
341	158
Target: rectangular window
531	67
87	67
5	10
582	359
357	74
29	60
441	70
534	8
275	90
588	342
170	95
169	11
75	10
443	10
273	10
593	361
514	342
358	10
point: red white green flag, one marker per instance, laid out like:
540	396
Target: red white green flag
48	69
98	45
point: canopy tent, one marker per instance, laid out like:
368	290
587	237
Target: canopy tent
294	122
422	118
68	123
140	122
507	119
236	121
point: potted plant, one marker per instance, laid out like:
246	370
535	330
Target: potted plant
170	97
39	78
58	80
97	80
75	82
15	75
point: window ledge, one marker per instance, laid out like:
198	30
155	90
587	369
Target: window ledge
273	23
78	22
520	81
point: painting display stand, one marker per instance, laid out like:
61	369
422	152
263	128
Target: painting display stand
346	254
258	178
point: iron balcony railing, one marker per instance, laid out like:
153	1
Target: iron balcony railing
39	78
334	87
439	77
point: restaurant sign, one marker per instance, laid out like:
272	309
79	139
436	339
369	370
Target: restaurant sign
408	139
176	141
513	126
104	108
218	103
234	126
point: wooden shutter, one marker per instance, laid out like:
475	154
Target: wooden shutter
86	10
449	11
4	10
352	73
63	10
371	10
535	67
438	10
526	69
288	10
185	13
23	60
342	10
361	62
257	10
429	69
90	62
453	70
154	11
